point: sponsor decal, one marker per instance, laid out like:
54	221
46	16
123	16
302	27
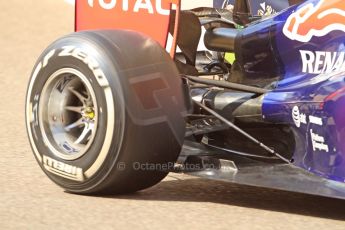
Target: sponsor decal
88	60
150	17
257	7
315	120
301	118
298	118
61	169
315	21
320	62
318	142
266	10
139	5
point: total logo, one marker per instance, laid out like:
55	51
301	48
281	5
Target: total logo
139	5
315	20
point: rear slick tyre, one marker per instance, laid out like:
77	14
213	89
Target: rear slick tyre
105	112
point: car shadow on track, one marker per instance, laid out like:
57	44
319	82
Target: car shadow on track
201	190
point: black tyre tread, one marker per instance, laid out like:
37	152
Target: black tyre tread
129	56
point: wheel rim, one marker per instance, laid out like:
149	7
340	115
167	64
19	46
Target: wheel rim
68	114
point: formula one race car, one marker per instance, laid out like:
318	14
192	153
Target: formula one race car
245	91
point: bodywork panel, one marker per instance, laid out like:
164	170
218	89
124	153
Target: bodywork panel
148	17
310	93
223	166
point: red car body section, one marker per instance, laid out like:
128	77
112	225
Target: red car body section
150	17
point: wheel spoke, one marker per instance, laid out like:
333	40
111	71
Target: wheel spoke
84	135
88	94
82	98
69	120
76	124
77	109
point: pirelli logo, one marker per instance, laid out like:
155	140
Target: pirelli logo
61	169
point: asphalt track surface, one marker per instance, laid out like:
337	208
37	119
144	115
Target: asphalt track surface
28	200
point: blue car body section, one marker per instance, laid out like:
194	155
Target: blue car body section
310	89
310	94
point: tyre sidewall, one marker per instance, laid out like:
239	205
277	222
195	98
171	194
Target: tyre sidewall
76	53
